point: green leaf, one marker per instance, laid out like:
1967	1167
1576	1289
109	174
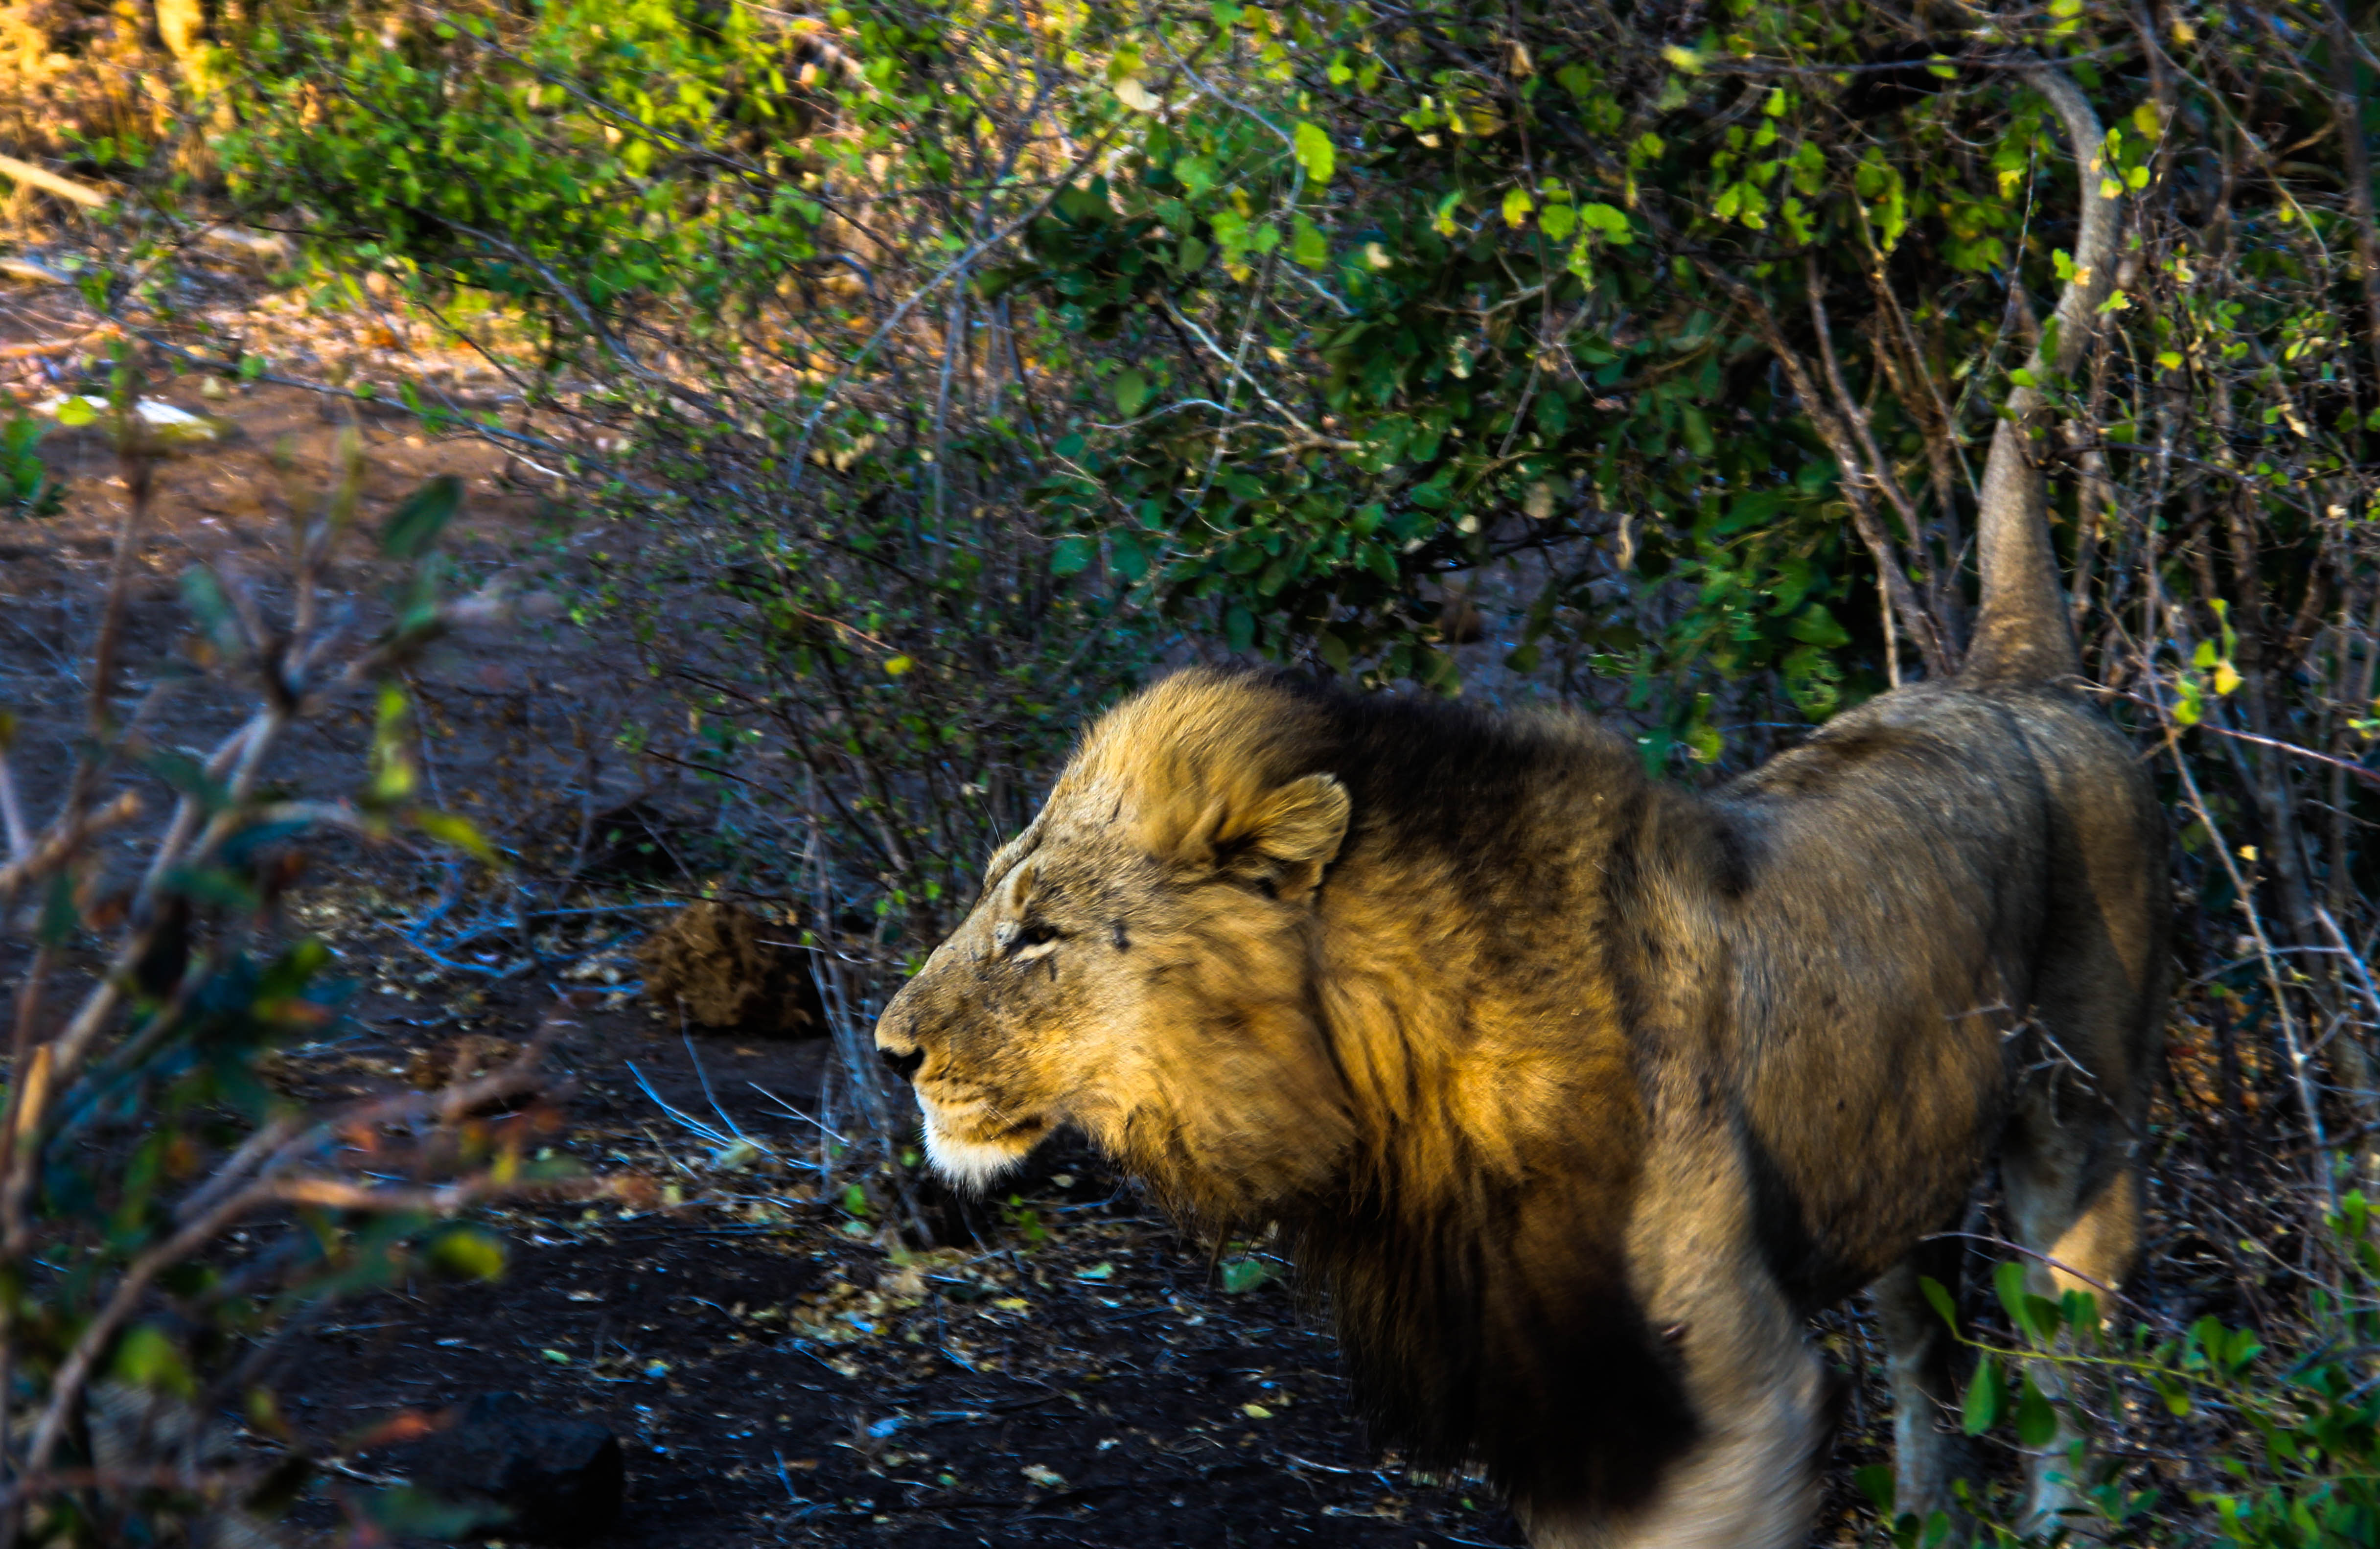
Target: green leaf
147	1358
1239	628
1071	557
414	526
1244	1275
449	828
203	595
2036	1317
1517	206
1819	627
393	771
1938	1296
1607	221
1986	1398
1558	221
75	410
2173	1390
1130	392
2036	1421
1314	152
407	1511
1307	243
468	1253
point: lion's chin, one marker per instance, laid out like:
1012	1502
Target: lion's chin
974	1163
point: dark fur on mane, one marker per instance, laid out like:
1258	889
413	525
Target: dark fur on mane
1482	1306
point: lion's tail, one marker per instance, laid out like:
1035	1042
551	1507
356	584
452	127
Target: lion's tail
2021	633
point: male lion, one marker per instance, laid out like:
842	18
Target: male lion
1579	1091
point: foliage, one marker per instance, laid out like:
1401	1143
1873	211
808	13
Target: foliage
166	1213
28	489
1572	268
896	654
2294	1436
582	160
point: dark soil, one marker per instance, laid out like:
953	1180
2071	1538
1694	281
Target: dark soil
781	1371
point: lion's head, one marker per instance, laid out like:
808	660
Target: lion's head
1139	963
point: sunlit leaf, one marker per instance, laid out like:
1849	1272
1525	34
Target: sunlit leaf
1314	152
468	1252
452	829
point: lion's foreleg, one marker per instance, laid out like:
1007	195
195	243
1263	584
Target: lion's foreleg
1750	1483
1763	1402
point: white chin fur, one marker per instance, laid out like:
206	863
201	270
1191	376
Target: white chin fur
968	1163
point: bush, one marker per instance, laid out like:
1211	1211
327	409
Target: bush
28	490
167	1218
2269	1448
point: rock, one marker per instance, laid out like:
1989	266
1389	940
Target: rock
558	1478
733	971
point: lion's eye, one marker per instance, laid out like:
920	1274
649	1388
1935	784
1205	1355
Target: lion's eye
1032	934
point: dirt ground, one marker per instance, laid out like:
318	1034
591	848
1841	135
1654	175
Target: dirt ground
779	1366
781	1372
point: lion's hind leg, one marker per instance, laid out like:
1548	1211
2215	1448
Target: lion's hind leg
1925	1364
2075	1204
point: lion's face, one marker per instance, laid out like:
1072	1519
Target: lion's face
1138	966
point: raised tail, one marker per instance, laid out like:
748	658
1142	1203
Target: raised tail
2021	633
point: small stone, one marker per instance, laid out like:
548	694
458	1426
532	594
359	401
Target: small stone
558	1478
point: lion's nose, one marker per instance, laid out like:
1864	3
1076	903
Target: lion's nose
901	1062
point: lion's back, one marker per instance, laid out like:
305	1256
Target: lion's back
1918	880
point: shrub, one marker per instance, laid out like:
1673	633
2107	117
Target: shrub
167	1216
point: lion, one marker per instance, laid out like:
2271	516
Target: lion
1576	1092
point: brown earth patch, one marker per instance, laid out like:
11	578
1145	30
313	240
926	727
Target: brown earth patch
727	968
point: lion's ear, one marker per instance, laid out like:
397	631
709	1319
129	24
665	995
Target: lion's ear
1015	889
1285	838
